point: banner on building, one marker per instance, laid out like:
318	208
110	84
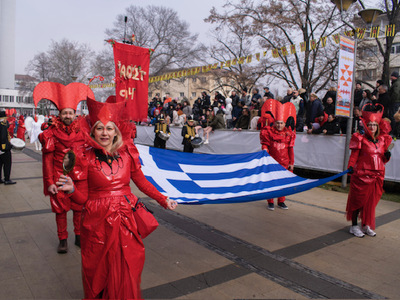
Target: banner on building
132	78
345	76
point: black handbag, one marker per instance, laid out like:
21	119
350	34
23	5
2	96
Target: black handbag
145	221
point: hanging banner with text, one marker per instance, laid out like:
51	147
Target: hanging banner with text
345	76
132	78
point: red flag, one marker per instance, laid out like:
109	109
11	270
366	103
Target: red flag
132	78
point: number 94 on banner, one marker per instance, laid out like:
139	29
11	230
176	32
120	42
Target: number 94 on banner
128	93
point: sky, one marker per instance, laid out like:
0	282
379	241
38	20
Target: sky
38	22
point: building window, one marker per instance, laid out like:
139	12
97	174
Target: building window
194	94
11	98
28	100
369	52
368	75
20	99
6	98
182	95
194	79
203	79
395	48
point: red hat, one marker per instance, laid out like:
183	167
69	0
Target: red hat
106	111
280	112
62	96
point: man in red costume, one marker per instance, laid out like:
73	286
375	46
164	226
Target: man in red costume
62	136
279	140
369	154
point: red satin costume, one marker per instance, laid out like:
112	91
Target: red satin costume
11	122
21	128
279	144
56	142
366	184
112	250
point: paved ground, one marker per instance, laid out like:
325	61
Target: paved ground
231	251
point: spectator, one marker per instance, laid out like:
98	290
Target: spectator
331	93
220	98
196	110
205	101
167	100
319	121
394	94
187	110
384	99
358	94
396	125
235	98
206	122
367	98
289	95
218	122
267	93
228	113
237	112
331	126
298	103
329	106
357	124
245	98
256	96
243	121
375	91
314	109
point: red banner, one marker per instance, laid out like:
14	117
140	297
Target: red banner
132	78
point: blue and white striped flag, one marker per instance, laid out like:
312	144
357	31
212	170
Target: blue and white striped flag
192	178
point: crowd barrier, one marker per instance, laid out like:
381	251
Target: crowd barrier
314	152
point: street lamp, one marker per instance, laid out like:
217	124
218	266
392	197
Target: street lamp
369	15
343	5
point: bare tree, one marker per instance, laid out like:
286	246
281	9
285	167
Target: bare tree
64	62
391	9
279	23
159	28
235	42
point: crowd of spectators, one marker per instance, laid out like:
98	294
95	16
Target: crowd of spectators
241	109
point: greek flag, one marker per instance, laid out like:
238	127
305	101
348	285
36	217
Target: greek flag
191	178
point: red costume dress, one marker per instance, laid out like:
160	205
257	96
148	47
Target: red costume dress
112	249
56	142
279	144
21	128
366	184
11	121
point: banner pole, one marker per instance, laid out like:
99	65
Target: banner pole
350	119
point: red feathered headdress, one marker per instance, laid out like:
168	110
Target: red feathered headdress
62	96
279	111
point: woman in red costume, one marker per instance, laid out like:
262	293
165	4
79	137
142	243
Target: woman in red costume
111	247
369	154
21	128
278	139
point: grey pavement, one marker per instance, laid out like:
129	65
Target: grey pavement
227	251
